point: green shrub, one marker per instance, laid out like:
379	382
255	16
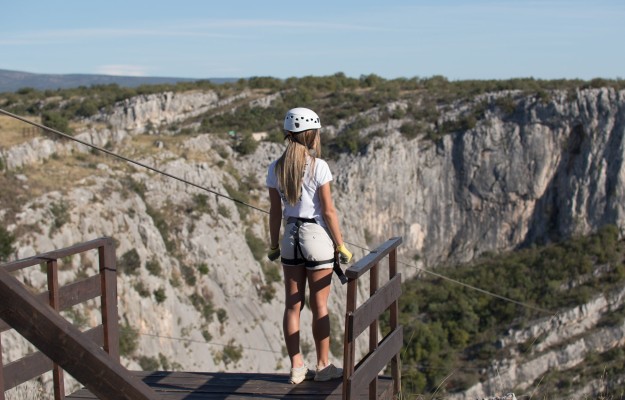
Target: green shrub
506	104
267	293
203	268
243	119
149	363
56	121
336	336
200	203
135	186
87	108
461	124
77	318
410	130
154	267
241	195
231	353
164	362
222	315
60	213
6	243
128	340
141	289
129	263
246	145
159	295
188	274
223	211
203	305
272	272
163	227
256	245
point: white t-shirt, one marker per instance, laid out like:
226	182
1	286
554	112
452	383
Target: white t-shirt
308	205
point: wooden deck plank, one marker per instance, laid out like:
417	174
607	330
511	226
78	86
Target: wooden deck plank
233	386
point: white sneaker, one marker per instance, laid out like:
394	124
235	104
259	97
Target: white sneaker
300	374
328	373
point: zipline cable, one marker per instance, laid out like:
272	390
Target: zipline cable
128	159
483	291
179	339
9	114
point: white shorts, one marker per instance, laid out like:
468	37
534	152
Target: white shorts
315	244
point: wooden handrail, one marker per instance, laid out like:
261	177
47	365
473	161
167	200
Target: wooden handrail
370	260
92	356
358	319
58	254
63	343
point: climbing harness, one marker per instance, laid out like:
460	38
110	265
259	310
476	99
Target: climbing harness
310	263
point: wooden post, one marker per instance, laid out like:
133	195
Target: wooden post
394	320
373	328
1	371
108	279
64	344
53	297
349	343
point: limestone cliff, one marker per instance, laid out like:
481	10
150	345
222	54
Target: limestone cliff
548	169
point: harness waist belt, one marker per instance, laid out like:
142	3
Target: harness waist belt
294	220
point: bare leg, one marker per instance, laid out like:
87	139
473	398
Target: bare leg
295	294
319	282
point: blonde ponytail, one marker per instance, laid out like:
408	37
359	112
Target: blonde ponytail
290	168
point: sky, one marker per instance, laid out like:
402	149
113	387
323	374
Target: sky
472	39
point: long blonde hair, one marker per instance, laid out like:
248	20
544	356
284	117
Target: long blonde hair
290	166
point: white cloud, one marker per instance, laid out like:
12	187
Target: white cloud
122	70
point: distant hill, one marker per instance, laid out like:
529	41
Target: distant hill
11	81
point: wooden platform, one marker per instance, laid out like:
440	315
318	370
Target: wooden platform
230	386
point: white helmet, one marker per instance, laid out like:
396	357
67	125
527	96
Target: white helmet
301	119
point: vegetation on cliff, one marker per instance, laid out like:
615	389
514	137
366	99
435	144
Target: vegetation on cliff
453	330
336	98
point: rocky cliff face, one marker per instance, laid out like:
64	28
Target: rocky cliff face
147	113
549	169
546	171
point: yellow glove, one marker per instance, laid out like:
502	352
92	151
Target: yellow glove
344	254
274	253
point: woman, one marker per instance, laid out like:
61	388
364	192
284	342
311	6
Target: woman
300	182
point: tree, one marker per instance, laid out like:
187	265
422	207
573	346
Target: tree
56	121
247	144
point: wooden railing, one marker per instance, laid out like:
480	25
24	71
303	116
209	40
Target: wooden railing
356	377
92	357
